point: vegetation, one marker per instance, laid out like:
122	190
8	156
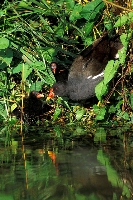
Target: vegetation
35	33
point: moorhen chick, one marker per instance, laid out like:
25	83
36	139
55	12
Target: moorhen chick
60	72
33	105
87	70
33	110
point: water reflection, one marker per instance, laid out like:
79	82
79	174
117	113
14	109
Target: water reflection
44	171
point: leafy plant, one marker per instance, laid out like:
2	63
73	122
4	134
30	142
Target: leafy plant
35	33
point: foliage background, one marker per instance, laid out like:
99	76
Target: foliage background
35	33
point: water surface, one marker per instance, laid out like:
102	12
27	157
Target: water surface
36	166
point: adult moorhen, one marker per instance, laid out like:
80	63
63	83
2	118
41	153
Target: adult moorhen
87	70
60	72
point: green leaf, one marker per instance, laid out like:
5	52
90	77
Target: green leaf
2	13
70	4
112	109
124	115
39	66
36	86
79	113
124	19
88	28
13	106
6	56
66	104
100	90
76	12
3	111
110	70
27	71
49	53
109	73
108	23
57	113
123	51
100	112
88	40
24	4
59	30
17	69
4	43
2	65
92	9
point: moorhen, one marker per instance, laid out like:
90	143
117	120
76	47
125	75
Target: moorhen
33	110
87	70
33	105
60	72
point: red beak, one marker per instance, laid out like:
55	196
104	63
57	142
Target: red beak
53	67
51	94
39	95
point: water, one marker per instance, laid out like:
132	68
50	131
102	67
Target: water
37	167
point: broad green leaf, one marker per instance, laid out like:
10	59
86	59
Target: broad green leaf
66	104
59	31
17	69
70	4
88	40
79	113
124	115
100	90
112	109
92	9
39	66
49	53
110	70
76	12
124	19
27	71
4	43
123	51
13	106
118	105
57	113
6	56
108	23
2	13
24	4
3	111
88	27
36	86
125	39
100	112
2	65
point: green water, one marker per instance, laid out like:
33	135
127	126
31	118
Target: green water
66	164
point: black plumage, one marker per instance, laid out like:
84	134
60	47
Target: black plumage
87	70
